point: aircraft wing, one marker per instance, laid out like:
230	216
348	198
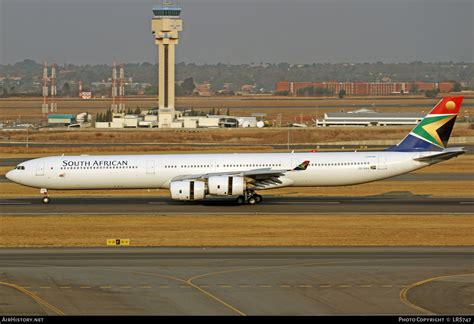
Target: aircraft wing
442	156
256	175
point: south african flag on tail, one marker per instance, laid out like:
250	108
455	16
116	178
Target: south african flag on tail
432	133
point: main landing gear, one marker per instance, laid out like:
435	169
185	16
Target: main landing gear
250	198
45	199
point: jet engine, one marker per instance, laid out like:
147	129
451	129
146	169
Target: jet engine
226	185
188	190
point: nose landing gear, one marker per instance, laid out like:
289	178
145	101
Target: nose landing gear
250	198
45	199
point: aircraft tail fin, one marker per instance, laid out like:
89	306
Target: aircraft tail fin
433	132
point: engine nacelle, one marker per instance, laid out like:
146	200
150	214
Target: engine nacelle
226	185
188	190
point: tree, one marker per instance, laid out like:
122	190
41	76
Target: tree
137	111
431	93
108	115
342	93
66	89
456	87
188	86
151	90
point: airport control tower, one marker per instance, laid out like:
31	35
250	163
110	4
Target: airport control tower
166	25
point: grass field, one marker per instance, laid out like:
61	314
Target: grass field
387	230
243	139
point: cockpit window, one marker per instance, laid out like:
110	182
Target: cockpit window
20	167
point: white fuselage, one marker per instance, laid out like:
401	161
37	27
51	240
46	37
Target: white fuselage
157	171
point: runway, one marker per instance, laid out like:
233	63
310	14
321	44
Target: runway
395	204
236	281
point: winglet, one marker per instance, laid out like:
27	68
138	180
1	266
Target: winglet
301	167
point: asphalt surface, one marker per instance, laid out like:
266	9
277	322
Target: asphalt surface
397	203
236	281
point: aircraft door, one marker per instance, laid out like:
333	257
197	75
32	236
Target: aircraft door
40	169
150	167
382	163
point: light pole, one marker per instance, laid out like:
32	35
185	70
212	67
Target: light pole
288	138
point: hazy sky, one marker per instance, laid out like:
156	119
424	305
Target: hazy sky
241	31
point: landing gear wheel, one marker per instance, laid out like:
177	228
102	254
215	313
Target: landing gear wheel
252	200
258	198
46	200
240	200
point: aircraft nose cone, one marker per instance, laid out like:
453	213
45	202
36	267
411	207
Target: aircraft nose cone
10	175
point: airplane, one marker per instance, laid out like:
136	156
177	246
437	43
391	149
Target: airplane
191	177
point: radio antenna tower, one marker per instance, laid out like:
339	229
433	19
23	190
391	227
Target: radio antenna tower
44	107
121	88
114	87
54	104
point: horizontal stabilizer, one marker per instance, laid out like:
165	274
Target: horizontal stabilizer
442	156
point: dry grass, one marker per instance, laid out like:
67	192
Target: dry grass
127	149
4	170
226	136
239	230
433	188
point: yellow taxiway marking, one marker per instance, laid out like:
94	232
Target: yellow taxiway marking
344	286
404	291
325	286
105	287
145	287
285	286
35	297
245	286
85	287
64	287
305	286
125	287
165	287
386	286
264	286
184	287
365	286
222	286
